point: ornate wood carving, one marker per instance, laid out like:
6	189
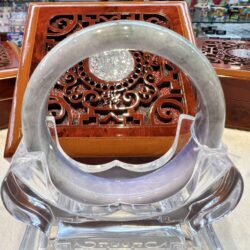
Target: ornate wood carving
9	54
231	60
4	57
60	26
227	52
152	94
137	115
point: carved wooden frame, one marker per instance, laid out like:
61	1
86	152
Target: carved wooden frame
122	141
234	74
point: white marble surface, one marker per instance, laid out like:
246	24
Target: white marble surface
233	231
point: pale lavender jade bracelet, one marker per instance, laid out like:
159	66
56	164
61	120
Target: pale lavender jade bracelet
66	173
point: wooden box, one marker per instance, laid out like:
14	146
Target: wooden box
101	130
231	60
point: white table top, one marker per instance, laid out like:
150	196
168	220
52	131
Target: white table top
233	231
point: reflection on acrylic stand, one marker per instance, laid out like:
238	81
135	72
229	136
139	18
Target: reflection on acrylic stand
168	203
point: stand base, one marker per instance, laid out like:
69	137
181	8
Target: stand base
118	236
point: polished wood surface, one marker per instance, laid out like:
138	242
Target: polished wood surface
237	96
234	74
100	131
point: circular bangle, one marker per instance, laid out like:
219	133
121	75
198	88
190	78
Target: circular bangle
65	172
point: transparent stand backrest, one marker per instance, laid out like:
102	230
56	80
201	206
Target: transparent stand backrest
210	165
183	127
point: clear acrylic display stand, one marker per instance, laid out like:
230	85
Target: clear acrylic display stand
169	203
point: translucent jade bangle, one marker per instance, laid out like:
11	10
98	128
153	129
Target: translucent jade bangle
66	173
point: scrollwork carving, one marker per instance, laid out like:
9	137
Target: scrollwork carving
4	57
225	52
144	97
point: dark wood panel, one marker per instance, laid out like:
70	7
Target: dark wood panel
237	97
6	95
5	107
7	87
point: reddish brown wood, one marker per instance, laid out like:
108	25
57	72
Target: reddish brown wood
6	95
88	109
9	55
220	53
79	98
237	96
234	73
9	59
4	57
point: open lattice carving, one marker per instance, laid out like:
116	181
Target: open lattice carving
151	94
4	57
223	52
